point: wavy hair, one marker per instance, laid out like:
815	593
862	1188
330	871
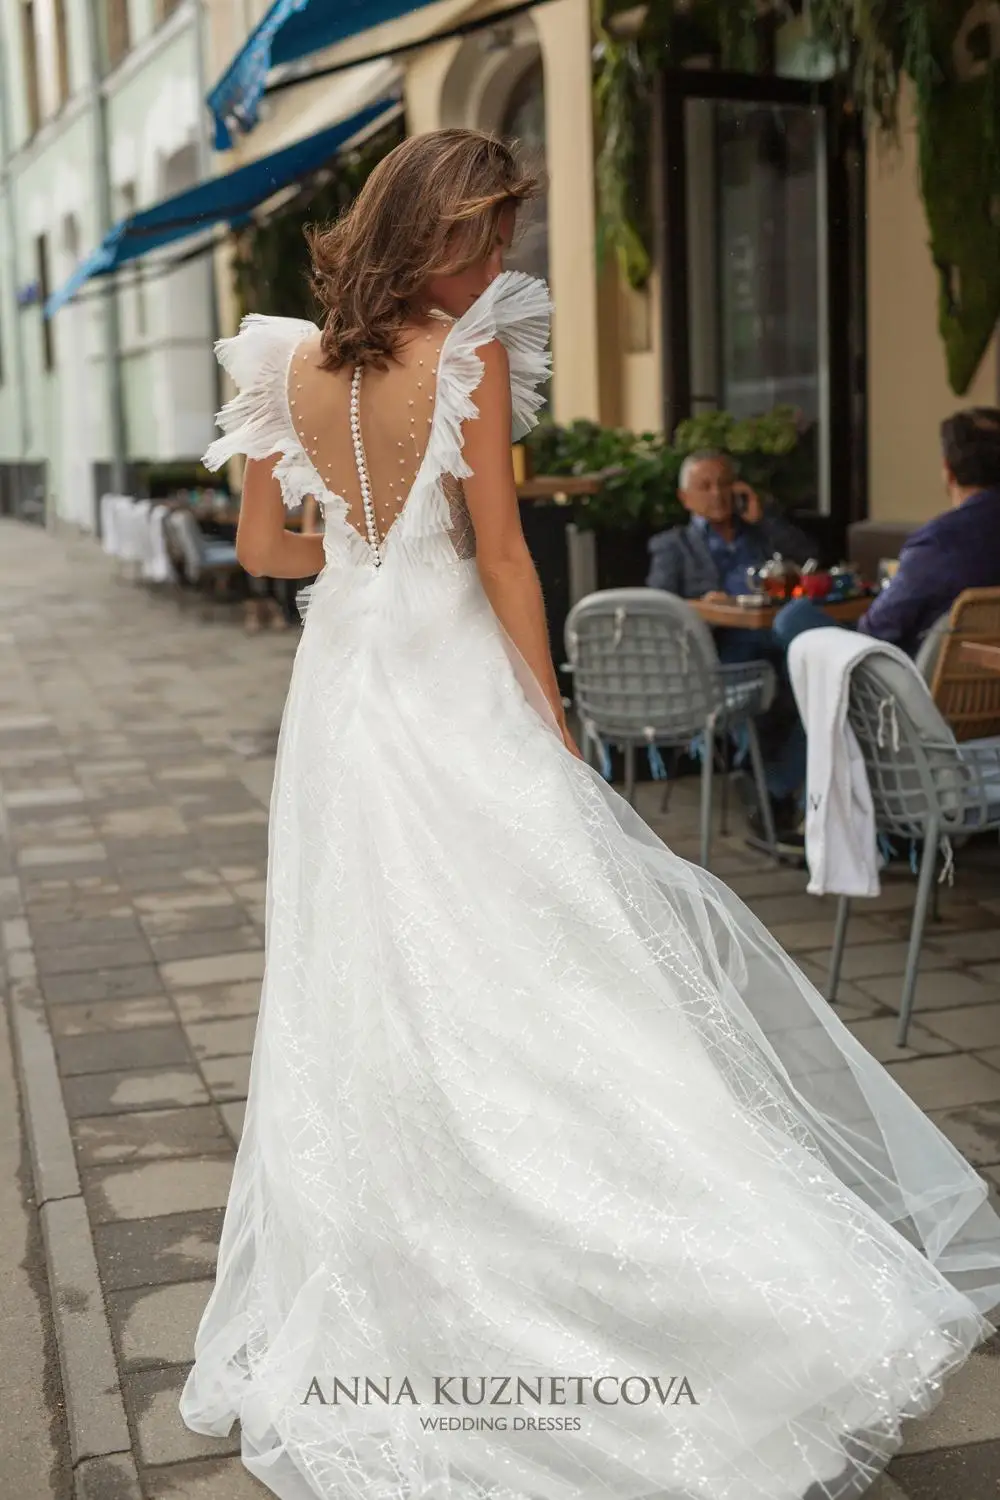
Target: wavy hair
432	206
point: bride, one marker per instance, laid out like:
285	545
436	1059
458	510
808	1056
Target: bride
559	1180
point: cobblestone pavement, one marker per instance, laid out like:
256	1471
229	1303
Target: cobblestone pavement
136	745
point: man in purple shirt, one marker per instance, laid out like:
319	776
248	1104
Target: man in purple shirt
957	550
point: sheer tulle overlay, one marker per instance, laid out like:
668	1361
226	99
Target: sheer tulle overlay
532	1098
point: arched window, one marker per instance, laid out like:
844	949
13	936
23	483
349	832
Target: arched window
523	120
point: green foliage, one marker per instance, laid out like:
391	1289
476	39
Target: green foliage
640	492
271	264
776	432
961	191
946	47
622	100
770	451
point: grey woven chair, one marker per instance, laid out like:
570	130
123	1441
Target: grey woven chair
209	565
646	673
924	786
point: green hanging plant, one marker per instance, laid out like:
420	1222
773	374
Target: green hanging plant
622	98
950	49
959	146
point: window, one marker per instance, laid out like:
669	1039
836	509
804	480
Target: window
42	276
524	121
29	52
759	276
62	50
116	37
129	204
165	8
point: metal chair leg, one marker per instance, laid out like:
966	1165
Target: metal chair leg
707	777
630	774
837	952
724	801
760	781
925	884
668	784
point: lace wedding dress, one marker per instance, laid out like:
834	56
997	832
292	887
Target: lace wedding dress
533	1100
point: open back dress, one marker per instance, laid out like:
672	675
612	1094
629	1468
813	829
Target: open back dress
559	1180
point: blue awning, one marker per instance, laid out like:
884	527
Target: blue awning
230	198
290	30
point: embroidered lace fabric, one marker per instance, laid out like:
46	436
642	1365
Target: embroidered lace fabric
531	1096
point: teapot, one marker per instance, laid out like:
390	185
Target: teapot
776	579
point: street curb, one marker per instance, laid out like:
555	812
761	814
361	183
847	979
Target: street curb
99	1439
50	1142
95	1411
110	1478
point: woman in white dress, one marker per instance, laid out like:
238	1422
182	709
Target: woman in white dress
558	1180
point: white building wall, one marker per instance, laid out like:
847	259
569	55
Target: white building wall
157	128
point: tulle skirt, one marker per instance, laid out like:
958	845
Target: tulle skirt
559	1180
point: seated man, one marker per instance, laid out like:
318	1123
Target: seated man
958	550
729	532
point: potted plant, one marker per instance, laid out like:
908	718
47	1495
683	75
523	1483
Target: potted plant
772	452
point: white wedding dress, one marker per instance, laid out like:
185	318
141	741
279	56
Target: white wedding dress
531	1096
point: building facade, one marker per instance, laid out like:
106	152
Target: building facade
803	276
103	113
786	268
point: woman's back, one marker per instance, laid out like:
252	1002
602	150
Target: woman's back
366	429
397	431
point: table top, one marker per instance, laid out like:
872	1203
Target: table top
548	486
981	654
761	616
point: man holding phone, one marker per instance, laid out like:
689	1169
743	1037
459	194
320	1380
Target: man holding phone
728	532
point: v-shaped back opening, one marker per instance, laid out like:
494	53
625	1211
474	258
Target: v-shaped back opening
381	435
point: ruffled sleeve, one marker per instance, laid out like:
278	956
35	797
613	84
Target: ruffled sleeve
516	309
256	420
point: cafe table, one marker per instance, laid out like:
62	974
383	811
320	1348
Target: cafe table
761	616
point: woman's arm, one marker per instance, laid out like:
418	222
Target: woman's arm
505	565
263	546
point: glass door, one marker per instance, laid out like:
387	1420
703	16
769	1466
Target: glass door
751	289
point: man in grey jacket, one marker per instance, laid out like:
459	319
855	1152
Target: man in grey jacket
729	532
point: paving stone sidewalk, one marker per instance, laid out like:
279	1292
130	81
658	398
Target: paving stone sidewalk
136	751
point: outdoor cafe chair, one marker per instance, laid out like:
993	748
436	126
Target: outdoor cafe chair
968	695
646	674
209	564
925	786
115	516
133	535
157	566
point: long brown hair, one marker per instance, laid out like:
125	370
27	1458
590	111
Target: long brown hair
432	206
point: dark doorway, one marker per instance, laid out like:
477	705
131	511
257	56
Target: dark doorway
761	198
